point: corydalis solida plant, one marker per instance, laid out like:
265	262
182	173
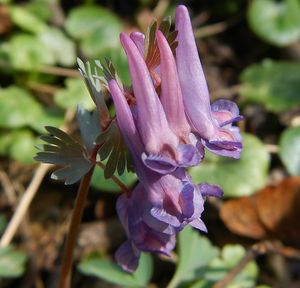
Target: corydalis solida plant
164	122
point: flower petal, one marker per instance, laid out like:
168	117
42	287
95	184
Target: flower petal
126	121
127	256
162	215
188	155
192	80
225	112
171	96
186	200
159	163
155	131
139	41
210	190
198	224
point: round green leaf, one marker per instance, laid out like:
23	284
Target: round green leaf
61	47
12	262
94	265
75	93
83	21
230	256
101	183
97	28
17	108
236	177
19	145
27	52
275	22
51	116
40	8
195	252
26	20
289	152
100	42
276	85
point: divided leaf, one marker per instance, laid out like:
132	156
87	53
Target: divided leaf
151	48
89	126
93	83
114	149
62	149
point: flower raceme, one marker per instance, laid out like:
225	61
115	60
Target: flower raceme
166	129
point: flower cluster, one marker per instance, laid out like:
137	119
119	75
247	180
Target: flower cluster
167	128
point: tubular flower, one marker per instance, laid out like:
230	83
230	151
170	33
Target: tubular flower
210	124
141	237
163	151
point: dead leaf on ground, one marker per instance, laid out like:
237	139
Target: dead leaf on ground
273	212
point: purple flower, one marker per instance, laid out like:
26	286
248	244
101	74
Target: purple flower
141	237
161	205
211	124
165	130
170	198
164	152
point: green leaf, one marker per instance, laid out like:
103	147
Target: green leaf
114	149
75	93
61	47
32	55
275	22
101	183
18	109
230	256
40	8
195	253
94	265
274	84
289	150
97	28
89	126
49	116
19	145
62	149
236	177
27	21
90	74
12	262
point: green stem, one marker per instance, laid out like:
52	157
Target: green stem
66	270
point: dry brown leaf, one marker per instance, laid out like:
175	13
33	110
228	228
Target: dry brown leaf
240	216
273	212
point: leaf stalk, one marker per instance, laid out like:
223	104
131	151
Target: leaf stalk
66	270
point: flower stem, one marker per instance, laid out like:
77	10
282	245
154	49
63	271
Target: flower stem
116	180
66	270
